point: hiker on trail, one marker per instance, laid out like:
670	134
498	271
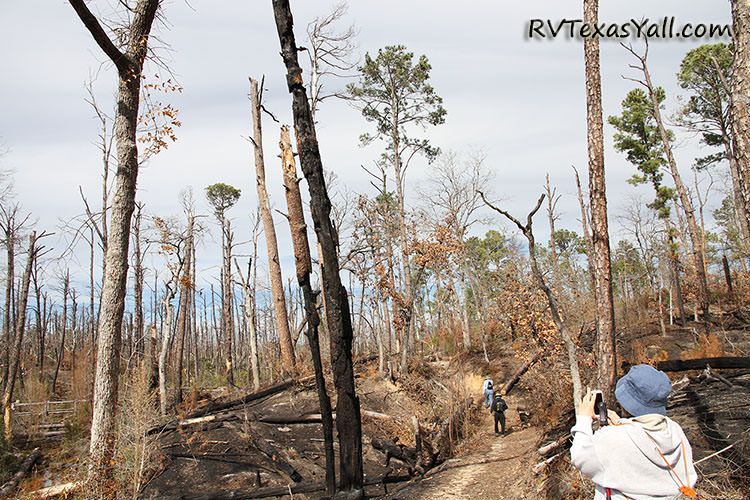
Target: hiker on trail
487	391
644	456
498	410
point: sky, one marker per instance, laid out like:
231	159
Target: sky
520	101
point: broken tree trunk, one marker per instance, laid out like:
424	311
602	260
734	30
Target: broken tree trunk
269	232
9	487
277	459
520	372
349	424
551	298
303	265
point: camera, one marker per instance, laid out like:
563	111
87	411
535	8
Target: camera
600	408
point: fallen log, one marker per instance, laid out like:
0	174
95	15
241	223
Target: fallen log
316	418
282	491
519	373
264	447
543	464
554	445
57	490
396	450
726	362
9	487
216	407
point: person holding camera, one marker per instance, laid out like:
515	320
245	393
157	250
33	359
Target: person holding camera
646	456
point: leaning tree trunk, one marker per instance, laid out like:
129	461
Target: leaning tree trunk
695	234
129	66
605	313
288	360
15	356
303	265
740	94
348	421
554	308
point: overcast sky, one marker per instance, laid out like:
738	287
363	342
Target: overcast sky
521	101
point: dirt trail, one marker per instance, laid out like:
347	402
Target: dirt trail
499	468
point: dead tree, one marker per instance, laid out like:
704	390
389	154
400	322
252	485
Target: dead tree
554	309
129	63
606	348
138	277
64	324
552	199
186	285
288	360
33	253
303	265
348	423
586	233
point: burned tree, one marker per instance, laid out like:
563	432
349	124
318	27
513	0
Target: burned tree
348	421
303	265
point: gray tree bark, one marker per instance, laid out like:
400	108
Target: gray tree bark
129	66
288	360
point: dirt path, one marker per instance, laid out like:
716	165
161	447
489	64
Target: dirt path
499	467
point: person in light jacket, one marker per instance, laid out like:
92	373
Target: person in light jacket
643	457
487	391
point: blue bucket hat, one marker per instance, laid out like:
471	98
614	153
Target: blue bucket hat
643	390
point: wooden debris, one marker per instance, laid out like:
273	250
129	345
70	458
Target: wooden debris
267	449
676	365
9	487
57	490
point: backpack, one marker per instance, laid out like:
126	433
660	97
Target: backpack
499	405
489	385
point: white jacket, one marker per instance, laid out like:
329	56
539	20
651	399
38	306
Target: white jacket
626	459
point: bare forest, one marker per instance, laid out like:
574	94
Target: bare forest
287	274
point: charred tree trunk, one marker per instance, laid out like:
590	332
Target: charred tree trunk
338	317
606	352
303	265
288	360
129	66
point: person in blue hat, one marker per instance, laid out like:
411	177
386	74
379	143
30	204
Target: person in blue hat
645	456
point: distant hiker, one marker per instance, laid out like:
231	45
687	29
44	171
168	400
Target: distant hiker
646	456
498	410
487	391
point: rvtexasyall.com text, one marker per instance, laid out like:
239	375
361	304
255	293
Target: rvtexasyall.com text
665	28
